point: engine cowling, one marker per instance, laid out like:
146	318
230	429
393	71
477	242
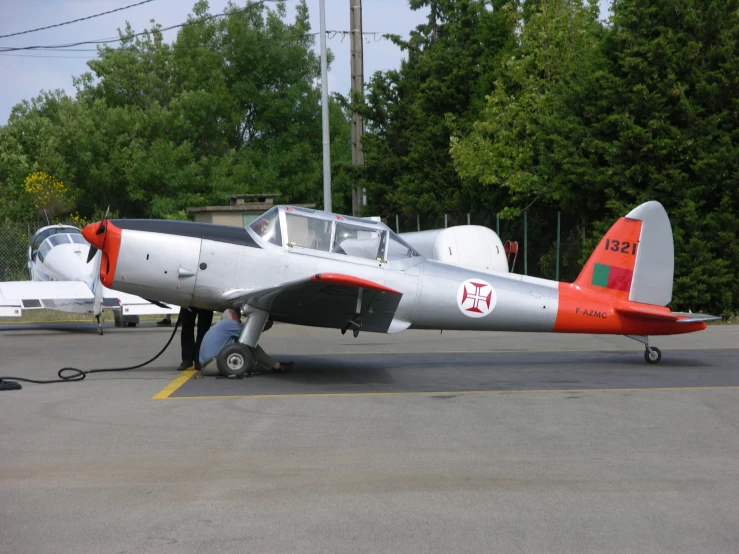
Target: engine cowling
471	246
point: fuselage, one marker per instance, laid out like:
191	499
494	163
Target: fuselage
201	265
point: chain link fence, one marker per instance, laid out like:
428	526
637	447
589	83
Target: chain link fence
14	241
551	244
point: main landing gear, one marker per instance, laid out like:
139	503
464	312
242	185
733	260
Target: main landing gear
652	354
237	360
99	324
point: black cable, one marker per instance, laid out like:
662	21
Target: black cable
79	374
127	37
75	20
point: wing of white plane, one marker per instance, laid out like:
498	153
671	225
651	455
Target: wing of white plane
135	305
69	296
326	300
33	293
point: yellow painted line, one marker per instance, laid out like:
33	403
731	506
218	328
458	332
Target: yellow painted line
181	379
447	393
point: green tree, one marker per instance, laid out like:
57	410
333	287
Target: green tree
528	141
231	106
450	60
670	124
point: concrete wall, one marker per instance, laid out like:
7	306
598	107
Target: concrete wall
233	219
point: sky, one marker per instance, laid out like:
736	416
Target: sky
24	74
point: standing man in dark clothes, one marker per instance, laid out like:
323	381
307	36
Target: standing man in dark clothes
189	342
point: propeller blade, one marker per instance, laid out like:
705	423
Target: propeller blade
91	253
102	226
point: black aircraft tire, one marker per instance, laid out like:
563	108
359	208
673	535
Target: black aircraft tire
653	355
235	360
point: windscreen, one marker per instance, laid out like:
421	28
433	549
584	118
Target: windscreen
267	227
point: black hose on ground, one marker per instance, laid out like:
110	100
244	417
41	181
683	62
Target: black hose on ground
72	374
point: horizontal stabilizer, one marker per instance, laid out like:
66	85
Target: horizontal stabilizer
693	318
656	314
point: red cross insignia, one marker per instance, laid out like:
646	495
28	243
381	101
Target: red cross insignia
476	298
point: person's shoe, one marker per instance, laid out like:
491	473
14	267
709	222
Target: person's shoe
198	367
165	321
185	366
284	367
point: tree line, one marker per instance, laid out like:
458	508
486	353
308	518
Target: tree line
500	106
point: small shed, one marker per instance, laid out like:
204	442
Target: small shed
241	210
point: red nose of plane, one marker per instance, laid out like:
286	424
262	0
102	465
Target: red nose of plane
105	236
90	232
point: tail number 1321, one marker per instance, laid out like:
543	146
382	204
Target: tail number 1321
623	246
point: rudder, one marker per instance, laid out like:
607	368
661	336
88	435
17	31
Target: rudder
635	259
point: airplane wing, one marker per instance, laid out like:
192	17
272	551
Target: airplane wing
69	296
35	295
135	305
326	300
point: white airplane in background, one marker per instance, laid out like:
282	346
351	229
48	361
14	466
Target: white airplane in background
63	280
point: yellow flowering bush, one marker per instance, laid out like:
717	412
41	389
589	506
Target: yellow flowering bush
48	193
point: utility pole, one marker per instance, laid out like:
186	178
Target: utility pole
359	196
324	111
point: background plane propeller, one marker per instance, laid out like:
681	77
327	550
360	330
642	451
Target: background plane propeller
100	230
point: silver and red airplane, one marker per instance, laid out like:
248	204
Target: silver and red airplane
308	267
62	279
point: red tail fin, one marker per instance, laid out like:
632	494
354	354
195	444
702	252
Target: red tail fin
610	268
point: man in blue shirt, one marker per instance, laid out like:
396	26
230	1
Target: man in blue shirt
226	331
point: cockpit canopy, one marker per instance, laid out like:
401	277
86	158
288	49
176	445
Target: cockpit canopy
326	232
48	237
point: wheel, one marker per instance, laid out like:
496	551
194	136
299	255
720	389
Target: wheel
652	355
131	324
235	360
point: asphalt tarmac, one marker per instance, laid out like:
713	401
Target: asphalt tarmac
417	442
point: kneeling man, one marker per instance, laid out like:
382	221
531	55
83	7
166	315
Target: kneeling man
226	331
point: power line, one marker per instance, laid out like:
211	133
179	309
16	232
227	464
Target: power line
42	56
161	30
76	20
378	37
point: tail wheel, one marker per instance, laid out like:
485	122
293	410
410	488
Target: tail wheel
235	360
652	355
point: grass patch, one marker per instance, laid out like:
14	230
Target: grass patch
55	316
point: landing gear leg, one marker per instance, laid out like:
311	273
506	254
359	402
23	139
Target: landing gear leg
99	324
652	354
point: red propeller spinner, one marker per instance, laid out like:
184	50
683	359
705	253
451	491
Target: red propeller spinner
103	235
